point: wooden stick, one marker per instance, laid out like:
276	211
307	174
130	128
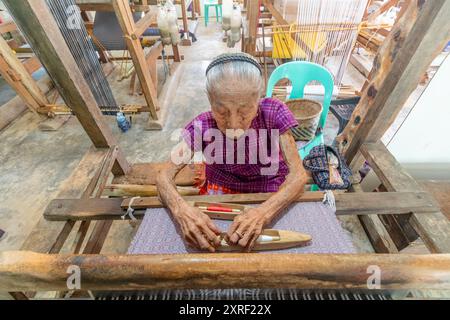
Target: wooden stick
347	204
21	271
124	190
125	18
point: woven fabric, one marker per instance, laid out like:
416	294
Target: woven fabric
158	233
246	177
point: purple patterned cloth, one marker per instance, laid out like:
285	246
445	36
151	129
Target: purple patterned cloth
244	175
158	233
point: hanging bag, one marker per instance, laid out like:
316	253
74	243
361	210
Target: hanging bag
318	164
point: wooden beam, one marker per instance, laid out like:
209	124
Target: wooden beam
106	5
145	22
185	22
376	232
385	7
152	56
391	173
15	107
125	18
399	66
44	235
17	76
35	20
434	227
386	167
32	65
347	204
20	271
7	27
252	20
124	190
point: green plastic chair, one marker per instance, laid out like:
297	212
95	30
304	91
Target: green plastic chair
216	5
300	73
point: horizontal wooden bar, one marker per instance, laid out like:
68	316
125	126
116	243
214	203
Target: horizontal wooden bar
347	204
144	23
146	173
126	190
391	173
7	27
23	271
107	5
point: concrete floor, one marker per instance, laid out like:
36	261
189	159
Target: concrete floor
33	163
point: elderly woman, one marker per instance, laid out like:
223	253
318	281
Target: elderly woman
239	127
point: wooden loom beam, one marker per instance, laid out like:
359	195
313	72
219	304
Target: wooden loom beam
385	7
125	18
20	271
252	18
45	234
346	203
16	74
35	20
101	228
107	5
378	236
420	30
145	22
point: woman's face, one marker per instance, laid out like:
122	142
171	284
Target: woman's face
234	112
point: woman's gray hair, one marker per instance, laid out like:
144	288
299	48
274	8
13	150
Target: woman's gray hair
232	74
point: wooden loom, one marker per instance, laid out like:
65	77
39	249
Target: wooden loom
17	72
145	64
40	267
322	32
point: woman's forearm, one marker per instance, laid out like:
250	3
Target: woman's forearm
295	182
292	188
167	189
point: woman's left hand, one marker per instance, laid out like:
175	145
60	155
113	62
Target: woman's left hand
246	228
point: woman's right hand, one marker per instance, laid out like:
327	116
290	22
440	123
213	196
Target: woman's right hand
198	229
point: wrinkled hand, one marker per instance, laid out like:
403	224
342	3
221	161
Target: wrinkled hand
198	229
246	228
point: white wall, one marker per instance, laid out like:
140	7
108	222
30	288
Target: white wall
424	137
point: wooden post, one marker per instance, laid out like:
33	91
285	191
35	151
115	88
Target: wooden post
186	41
40	27
129	29
252	20
376	232
403	59
17	76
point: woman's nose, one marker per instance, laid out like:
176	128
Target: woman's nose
234	123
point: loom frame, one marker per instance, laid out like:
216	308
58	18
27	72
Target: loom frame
145	64
39	266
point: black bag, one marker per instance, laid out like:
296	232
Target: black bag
317	163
